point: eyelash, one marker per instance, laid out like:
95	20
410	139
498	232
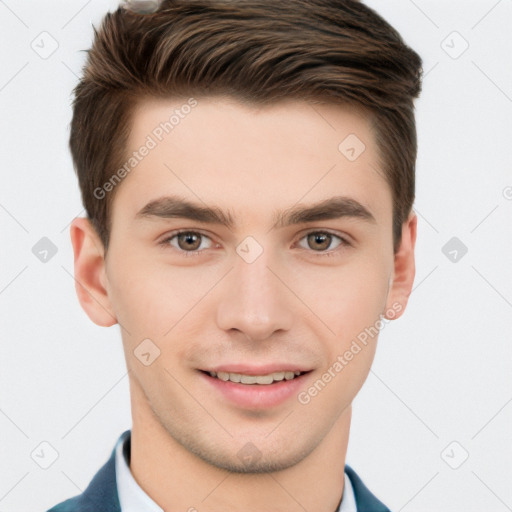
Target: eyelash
333	252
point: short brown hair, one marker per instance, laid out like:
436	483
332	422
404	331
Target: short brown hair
257	51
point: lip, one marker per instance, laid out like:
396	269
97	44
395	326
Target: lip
255	396
257	370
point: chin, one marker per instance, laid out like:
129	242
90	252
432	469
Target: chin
252	462
252	457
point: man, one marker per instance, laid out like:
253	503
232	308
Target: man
248	174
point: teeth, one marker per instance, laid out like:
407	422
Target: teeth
265	379
254	379
248	379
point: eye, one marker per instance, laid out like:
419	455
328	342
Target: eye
320	241
187	242
190	243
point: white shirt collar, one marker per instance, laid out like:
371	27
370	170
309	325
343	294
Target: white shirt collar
133	499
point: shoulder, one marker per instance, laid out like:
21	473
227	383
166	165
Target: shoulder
99	496
365	500
69	505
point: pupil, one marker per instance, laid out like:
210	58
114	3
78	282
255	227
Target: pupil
191	240
322	240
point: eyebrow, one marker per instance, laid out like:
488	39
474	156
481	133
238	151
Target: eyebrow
336	207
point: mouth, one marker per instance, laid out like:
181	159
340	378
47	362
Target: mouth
263	380
252	388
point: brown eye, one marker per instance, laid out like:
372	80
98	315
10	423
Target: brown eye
319	241
322	242
189	241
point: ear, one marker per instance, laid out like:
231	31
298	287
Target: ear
90	277
404	271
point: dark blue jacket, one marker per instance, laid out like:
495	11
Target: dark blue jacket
101	493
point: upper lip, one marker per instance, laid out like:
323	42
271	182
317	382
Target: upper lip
247	369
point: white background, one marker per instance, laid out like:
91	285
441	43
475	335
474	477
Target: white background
442	373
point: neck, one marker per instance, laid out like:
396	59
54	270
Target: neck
177	480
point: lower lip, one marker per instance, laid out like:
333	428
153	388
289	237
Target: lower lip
257	396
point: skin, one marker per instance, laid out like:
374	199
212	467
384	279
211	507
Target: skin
291	304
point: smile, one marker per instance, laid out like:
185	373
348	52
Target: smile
267	379
253	388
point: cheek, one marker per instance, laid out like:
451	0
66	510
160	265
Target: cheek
150	299
136	295
337	384
350	297
349	304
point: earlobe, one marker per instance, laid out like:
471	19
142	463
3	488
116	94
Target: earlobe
404	271
90	276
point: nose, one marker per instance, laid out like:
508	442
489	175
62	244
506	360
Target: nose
255	301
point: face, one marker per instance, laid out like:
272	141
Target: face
248	247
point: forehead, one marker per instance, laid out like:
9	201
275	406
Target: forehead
251	159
